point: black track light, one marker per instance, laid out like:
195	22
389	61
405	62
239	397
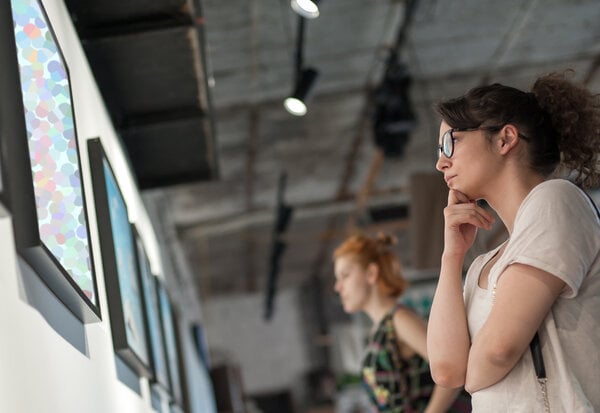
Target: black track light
296	103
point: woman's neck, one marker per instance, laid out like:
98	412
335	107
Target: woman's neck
509	194
378	306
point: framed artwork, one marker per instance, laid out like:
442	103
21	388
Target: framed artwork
154	333
119	260
40	164
174	408
1	178
184	400
201	344
169	332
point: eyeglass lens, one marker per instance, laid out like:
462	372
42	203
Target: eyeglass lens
447	146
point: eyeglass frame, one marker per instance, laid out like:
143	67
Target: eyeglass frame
448	136
450	133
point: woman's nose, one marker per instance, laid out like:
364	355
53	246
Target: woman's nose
336	286
441	163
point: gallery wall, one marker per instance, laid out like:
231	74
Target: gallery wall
50	360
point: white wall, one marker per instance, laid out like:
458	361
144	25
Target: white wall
49	360
272	355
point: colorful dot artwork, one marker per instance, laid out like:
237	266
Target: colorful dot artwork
52	144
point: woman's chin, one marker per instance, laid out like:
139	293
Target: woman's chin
465	191
349	309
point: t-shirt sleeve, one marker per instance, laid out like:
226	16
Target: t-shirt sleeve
554	231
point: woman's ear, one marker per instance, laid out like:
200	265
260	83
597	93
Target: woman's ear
509	137
372	273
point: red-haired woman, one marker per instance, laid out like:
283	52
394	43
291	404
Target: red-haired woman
395	372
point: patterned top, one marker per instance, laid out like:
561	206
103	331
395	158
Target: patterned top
394	384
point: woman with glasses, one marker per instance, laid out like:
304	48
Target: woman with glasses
395	372
523	331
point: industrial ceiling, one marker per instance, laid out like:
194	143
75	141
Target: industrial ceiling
148	60
196	92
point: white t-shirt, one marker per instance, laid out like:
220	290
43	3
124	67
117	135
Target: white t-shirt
557	230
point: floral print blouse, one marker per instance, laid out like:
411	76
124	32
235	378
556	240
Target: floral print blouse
394	384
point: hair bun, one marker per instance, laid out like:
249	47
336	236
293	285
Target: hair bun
386	239
573	112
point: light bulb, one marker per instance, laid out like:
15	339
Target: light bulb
305	8
295	106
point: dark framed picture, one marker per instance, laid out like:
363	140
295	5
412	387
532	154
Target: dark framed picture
1	178
169	332
201	344
119	260
41	170
154	332
184	402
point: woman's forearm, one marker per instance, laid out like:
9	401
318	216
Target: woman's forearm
486	369
447	332
523	298
441	400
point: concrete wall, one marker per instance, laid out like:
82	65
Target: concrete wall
272	355
49	360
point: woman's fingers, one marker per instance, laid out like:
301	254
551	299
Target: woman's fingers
462	217
459	203
471	213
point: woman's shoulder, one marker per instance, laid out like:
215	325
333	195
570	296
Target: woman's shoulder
556	188
402	310
404	317
554	195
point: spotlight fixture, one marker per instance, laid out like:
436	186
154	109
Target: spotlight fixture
296	103
393	116
308	9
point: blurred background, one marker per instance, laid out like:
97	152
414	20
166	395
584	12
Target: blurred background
248	200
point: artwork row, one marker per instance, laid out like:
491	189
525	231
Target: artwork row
41	185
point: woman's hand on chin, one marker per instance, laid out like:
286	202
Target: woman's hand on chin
462	218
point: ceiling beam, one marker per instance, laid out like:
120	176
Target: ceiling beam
513	32
133	27
237	222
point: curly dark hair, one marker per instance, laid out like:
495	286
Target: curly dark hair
559	120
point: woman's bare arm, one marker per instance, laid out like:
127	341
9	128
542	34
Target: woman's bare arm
412	331
441	399
523	298
448	340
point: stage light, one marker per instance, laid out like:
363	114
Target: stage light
393	115
296	103
308	9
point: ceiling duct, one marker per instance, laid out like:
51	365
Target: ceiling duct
149	62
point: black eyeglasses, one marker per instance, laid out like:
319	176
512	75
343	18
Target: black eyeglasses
447	146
